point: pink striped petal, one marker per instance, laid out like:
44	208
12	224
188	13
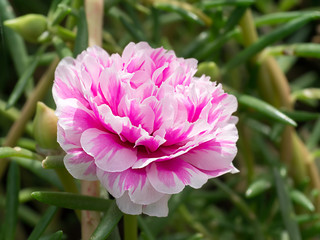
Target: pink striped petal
74	119
215	154
172	176
109	152
80	165
134	182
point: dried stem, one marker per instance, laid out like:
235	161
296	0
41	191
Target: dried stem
274	84
28	110
94	14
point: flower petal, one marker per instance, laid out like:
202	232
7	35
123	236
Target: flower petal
173	175
127	206
74	118
159	208
215	154
135	182
109	152
80	165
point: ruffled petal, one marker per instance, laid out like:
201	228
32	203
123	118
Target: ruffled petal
127	206
74	118
159	208
172	176
109	152
134	182
215	154
80	165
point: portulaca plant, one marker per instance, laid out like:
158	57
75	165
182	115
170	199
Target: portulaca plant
128	119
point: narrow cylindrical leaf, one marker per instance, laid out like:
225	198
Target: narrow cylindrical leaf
301	199
7	152
207	4
43	223
265	109
12	202
107	223
73	201
278	17
257	187
301	116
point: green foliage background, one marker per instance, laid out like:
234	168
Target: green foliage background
265	52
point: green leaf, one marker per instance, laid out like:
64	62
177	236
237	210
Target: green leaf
234	18
301	199
12	202
36	168
279	17
107	223
25	77
301	116
43	223
308	50
270	38
257	187
217	3
7	152
81	42
72	201
265	109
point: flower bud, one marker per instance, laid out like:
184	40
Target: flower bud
45	127
29	26
209	69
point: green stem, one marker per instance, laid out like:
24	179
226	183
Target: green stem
130	227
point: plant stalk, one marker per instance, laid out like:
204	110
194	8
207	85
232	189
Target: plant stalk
274	88
130	227
94	14
27	111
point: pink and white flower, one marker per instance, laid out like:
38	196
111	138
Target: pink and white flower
143	124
